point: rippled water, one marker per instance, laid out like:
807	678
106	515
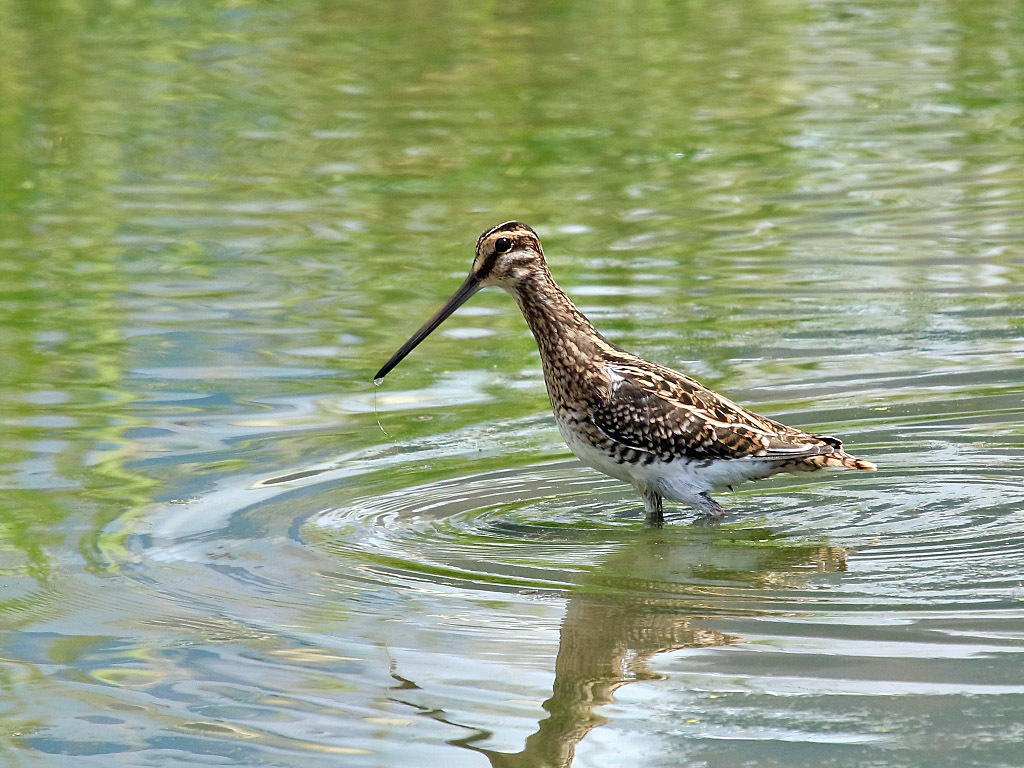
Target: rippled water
221	545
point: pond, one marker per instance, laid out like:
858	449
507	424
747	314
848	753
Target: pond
221	545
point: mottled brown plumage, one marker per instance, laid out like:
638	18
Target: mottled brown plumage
651	426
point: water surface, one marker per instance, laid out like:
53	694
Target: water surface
221	545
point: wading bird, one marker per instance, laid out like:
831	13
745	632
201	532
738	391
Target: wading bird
650	426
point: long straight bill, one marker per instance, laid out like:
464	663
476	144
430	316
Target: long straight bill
467	289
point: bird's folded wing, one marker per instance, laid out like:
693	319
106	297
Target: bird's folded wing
671	416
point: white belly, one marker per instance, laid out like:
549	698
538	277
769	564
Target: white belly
679	480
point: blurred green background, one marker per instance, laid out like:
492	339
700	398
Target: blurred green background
217	219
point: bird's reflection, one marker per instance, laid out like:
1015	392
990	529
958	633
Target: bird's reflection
654	595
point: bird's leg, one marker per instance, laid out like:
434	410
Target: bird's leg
652	505
708	507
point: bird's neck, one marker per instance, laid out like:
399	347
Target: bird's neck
564	335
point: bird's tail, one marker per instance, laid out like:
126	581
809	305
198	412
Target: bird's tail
841	459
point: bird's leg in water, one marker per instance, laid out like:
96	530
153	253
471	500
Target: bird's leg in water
710	508
652	505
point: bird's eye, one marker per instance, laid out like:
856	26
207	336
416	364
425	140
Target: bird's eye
503	245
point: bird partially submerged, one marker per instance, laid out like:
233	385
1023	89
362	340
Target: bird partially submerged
657	429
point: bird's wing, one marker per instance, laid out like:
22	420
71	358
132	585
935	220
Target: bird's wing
662	412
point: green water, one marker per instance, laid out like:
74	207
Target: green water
221	545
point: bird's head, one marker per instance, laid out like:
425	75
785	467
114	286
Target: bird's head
506	254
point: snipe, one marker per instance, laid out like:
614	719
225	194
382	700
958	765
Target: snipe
654	428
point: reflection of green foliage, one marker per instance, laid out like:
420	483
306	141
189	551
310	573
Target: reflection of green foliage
61	334
69	649
24	520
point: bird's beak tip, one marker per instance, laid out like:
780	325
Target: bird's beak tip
467	289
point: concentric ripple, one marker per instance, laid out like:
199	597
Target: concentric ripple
939	527
838	593
910	540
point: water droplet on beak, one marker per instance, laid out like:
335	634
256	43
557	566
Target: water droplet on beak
378	381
